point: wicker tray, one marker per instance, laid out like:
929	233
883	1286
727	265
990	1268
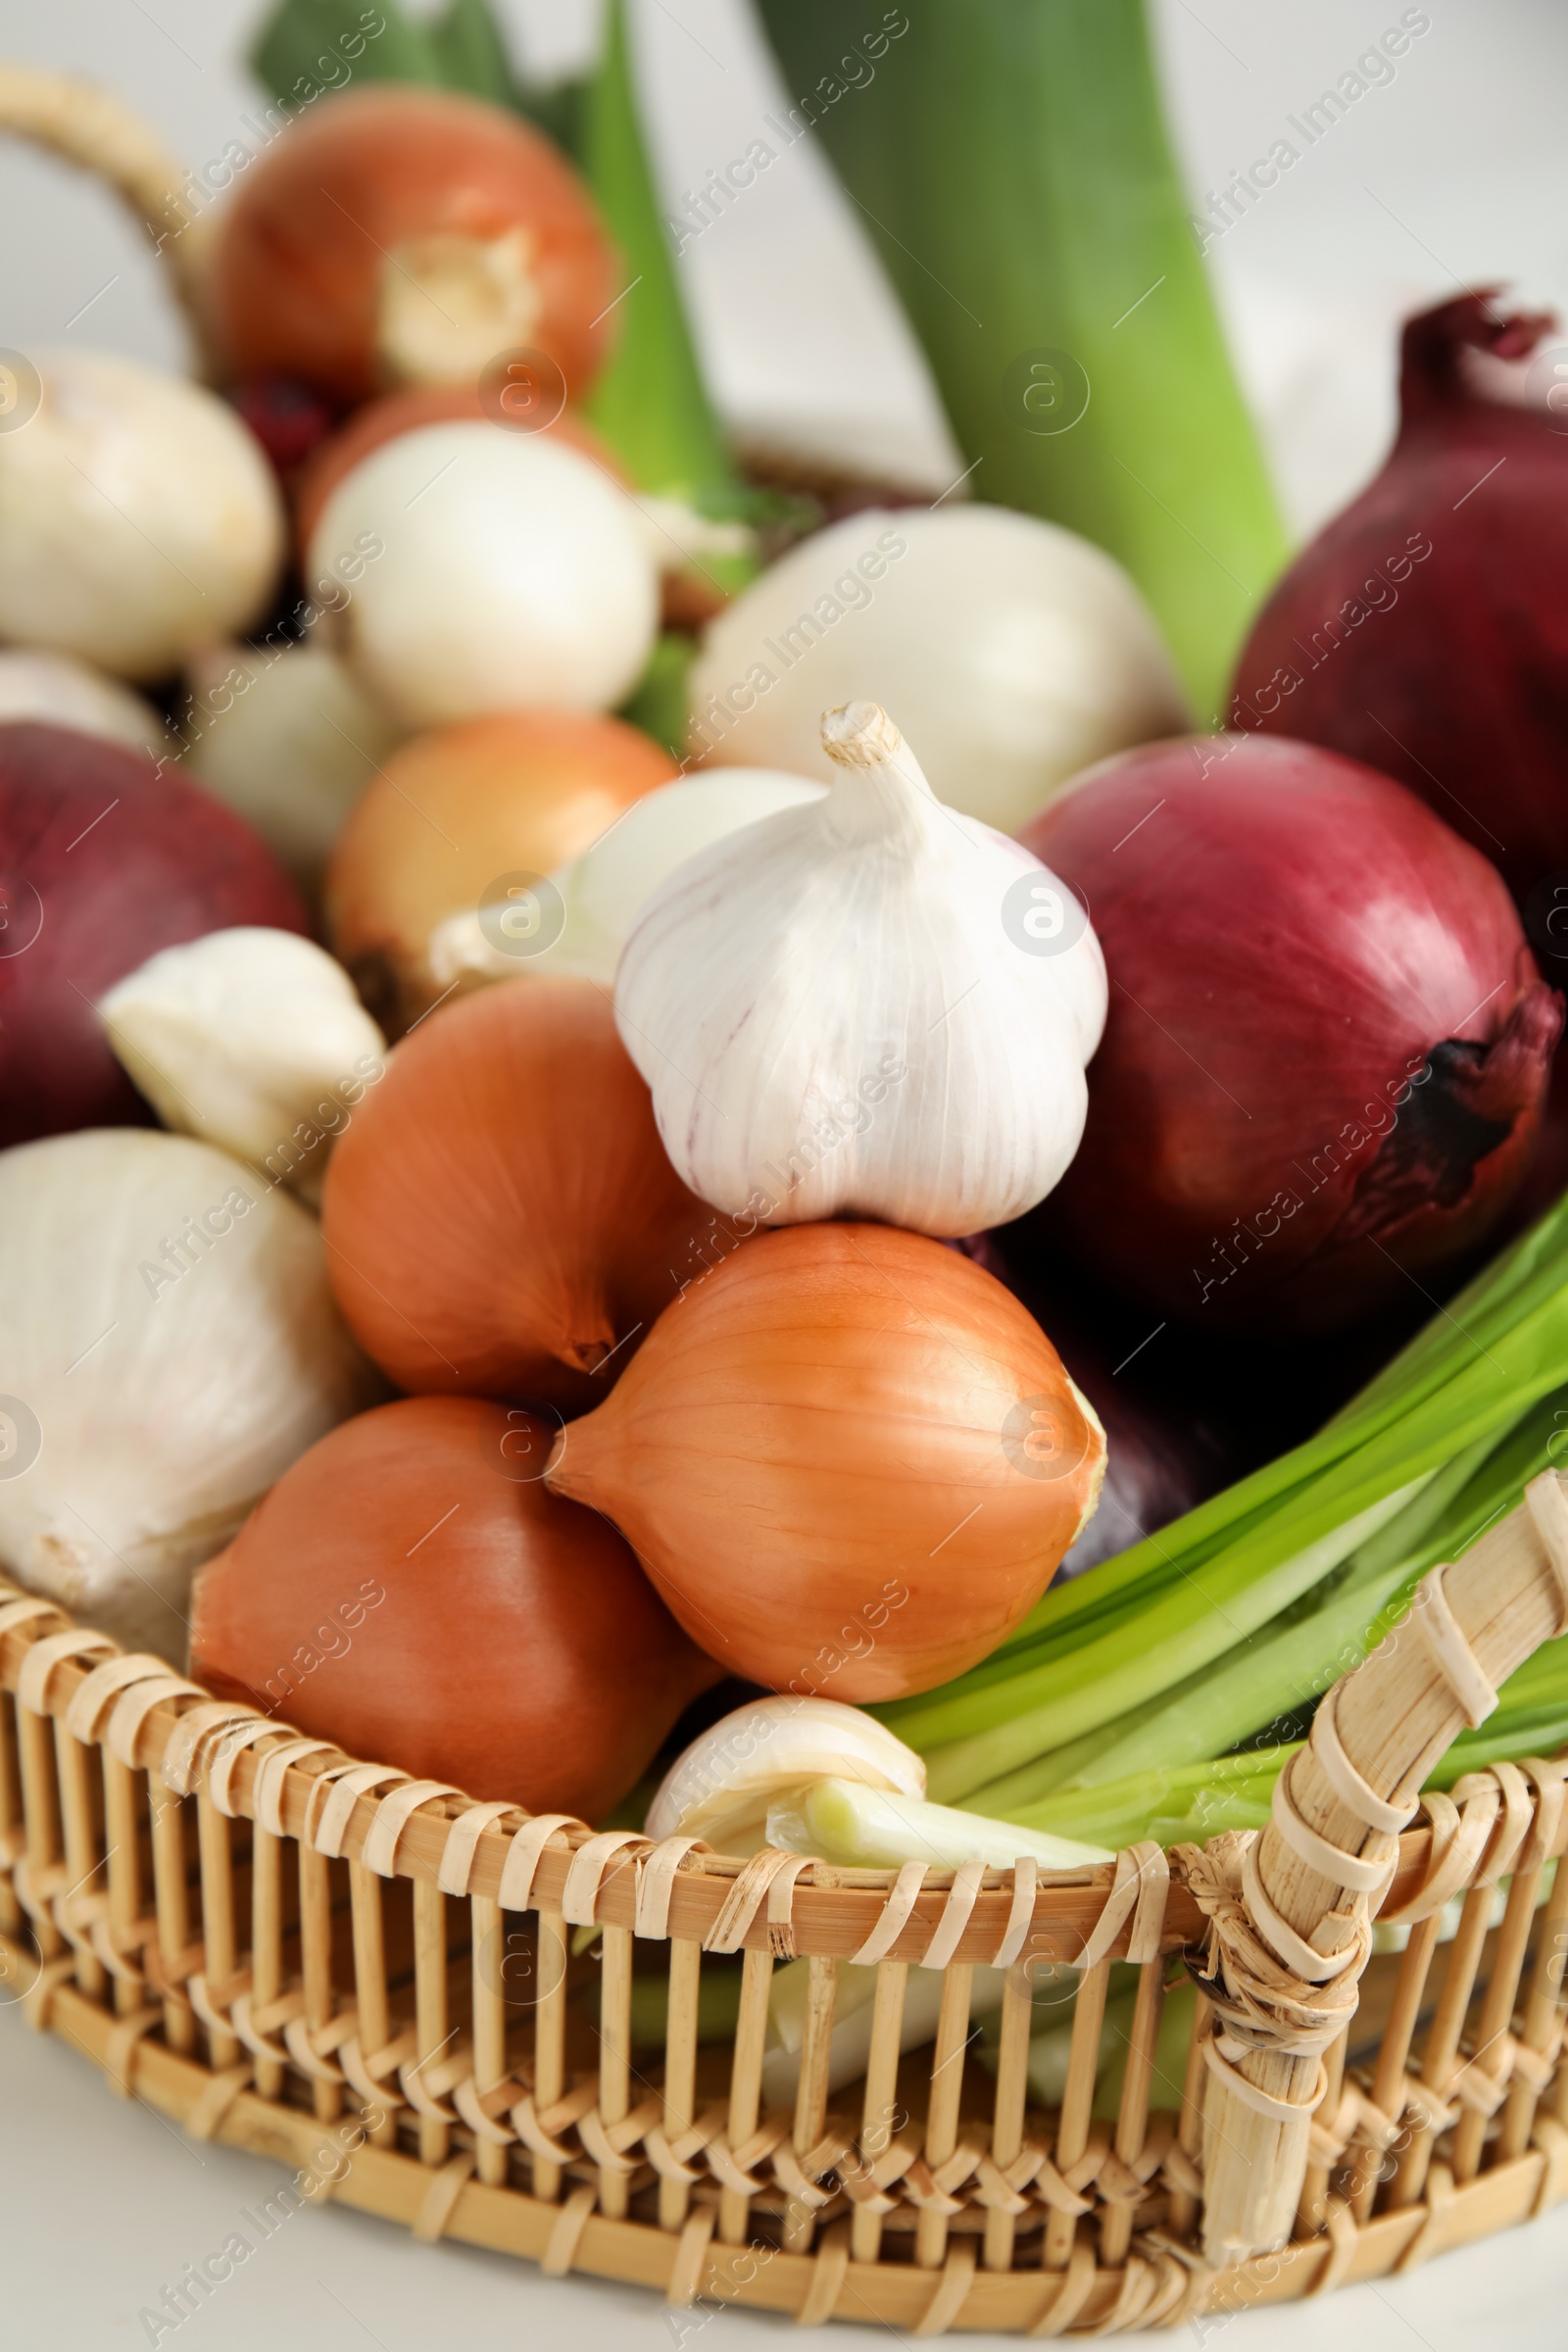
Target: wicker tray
388	1987
373	1980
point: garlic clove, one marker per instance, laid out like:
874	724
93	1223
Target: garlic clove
869	1006
251	1038
720	1788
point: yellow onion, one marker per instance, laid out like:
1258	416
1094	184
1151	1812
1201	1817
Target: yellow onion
849	1459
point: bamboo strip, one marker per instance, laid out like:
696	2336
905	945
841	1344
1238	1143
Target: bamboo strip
121	1837
1371	2165
1544	2005
372	2006
82	1857
1312	2213
1184	2206
40	1809
1397	1715
1011	2101
1502	1982
550	2038
1077	2101
1132	2115
489	2024
431	2034
172	1901
1442	2041
266	1942
947	2092
217	1913
746	2086
680	2070
11	1818
614	2053
811	2099
878	2122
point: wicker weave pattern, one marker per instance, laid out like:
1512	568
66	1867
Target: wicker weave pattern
271	1940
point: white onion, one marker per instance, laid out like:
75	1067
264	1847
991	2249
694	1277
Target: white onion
605	889
290	741
515	572
139	517
62	692
145	1406
1012	652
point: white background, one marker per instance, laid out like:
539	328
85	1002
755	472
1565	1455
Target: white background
1457	173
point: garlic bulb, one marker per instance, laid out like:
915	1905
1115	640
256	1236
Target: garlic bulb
290	741
253	1040
1012	651
870	1006
721	1787
515	572
139	517
169	1344
64	692
605	890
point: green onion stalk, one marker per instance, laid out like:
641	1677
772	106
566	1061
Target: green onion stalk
1133	1694
1011	162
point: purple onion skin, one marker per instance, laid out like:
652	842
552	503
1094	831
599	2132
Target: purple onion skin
1425	630
1160	1462
103	861
1328	1044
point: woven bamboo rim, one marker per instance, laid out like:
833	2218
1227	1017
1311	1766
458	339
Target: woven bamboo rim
309	1979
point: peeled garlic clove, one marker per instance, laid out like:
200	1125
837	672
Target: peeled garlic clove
169	1344
869	1006
251	1038
289	740
880	1828
721	1787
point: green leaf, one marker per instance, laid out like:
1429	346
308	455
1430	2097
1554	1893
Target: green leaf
1010	162
649	402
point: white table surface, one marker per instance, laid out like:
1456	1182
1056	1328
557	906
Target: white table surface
1457	170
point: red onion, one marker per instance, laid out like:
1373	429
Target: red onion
1426	629
101	861
1328	1044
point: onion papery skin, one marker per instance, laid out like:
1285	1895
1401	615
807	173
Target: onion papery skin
500	1218
326	223
1426	629
103	861
457	809
849	1459
409	410
517	1649
1328	1044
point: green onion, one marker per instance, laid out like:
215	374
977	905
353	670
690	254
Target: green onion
1251	1605
1011	162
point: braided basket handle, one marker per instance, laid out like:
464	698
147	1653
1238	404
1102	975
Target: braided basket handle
86	126
1289	1913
